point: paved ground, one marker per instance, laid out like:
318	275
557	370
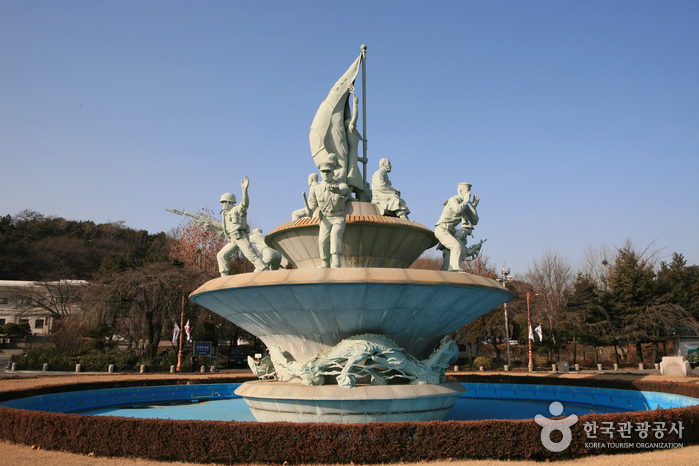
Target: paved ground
14	454
22	455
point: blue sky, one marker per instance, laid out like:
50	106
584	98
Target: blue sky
576	122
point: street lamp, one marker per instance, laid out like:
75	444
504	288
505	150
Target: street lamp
504	279
529	324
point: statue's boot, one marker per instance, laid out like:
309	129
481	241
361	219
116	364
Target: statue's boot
335	261
326	264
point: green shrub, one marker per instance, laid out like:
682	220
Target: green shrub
94	361
20	330
92	344
484	361
541	361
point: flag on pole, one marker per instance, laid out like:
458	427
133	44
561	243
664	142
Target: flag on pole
187	329
175	334
539	331
531	334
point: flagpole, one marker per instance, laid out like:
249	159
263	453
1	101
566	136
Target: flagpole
364	112
531	335
179	352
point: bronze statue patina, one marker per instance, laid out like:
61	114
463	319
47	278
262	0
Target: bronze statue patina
385	195
467	252
305	211
236	229
333	131
329	198
457	209
270	256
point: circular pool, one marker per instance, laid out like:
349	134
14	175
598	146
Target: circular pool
219	402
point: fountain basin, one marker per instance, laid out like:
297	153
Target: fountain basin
308	311
370	239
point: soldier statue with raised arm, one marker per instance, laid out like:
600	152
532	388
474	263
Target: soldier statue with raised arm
235	228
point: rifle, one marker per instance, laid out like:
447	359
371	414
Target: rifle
305	201
202	220
473	251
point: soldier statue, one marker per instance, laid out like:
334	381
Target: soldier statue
235	228
458	208
385	195
329	197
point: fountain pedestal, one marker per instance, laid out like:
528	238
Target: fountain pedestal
272	401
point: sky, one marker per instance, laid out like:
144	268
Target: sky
576	122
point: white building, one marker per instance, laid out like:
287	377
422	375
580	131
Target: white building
36	302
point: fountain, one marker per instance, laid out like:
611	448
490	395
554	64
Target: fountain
354	335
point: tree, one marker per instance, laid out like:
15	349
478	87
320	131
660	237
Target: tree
481	266
659	323
53	298
34	247
197	248
551	276
641	304
20	330
429	260
595	265
140	303
585	317
678	283
631	284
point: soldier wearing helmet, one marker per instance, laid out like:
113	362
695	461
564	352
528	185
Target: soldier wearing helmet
329	198
236	229
456	209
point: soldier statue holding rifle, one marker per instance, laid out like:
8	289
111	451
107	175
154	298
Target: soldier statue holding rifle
234	227
456	209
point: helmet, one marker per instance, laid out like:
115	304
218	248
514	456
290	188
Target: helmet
228	197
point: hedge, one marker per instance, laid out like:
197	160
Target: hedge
389	442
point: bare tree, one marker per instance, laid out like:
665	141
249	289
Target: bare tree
481	266
55	298
659	323
551	276
596	264
142	302
428	261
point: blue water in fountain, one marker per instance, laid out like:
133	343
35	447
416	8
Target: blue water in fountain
218	402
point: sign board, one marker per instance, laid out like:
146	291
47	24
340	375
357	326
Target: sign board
258	356
202	349
688	347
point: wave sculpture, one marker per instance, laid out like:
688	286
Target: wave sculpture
374	356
